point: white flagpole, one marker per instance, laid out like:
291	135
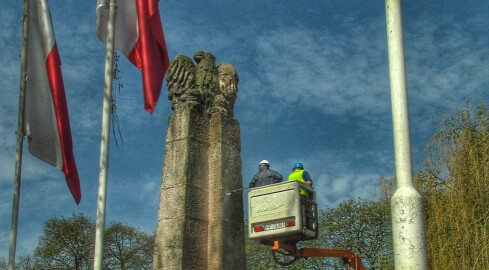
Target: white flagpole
409	236
104	144
20	140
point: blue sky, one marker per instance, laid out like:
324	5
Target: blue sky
314	88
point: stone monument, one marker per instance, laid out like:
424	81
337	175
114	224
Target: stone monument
200	221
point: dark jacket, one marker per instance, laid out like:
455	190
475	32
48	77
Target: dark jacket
265	177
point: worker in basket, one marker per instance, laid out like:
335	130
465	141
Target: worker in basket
299	174
265	176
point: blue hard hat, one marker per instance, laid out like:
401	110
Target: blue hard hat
298	165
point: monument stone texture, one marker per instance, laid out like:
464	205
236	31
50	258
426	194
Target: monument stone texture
200	221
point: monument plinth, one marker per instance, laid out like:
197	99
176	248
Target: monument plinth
200	223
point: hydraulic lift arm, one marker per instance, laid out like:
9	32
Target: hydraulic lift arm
348	257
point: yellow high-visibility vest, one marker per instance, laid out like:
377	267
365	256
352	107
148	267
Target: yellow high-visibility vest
297	176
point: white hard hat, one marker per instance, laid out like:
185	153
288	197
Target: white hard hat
264	162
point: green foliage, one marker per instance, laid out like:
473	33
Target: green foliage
258	256
455	187
362	227
3	263
127	248
67	243
22	262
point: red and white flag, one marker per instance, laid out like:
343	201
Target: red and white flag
139	36
46	123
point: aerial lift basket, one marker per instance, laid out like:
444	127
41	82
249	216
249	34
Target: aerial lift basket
279	212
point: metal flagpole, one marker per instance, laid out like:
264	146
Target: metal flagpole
409	236
20	140
105	139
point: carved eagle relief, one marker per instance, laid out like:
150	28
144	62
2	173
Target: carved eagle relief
202	86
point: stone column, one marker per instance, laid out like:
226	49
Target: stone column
200	224
226	232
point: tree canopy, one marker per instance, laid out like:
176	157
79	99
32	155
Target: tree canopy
67	243
127	248
455	186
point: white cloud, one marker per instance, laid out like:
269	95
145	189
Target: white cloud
349	185
321	70
446	62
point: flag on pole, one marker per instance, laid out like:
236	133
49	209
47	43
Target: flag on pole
139	36
47	124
